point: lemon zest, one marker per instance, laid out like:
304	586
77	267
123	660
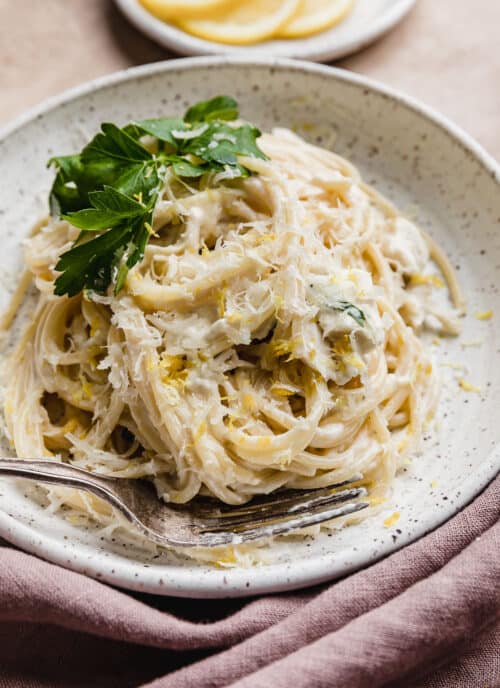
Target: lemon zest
484	315
281	347
355	361
469	387
392	519
150	230
176	370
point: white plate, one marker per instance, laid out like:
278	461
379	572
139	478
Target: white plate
423	162
369	20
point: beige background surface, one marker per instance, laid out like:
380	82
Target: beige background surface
446	52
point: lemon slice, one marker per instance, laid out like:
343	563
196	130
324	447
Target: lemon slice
249	21
315	16
169	10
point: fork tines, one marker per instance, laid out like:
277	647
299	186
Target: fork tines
282	512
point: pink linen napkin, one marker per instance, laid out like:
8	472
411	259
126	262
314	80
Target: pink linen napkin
426	617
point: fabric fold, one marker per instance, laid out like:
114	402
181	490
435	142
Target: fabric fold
384	625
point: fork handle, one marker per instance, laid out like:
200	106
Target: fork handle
58	473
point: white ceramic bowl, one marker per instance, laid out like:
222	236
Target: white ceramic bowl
420	160
369	20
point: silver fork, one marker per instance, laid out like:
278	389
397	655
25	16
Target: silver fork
204	522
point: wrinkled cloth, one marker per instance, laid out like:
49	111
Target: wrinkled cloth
427	616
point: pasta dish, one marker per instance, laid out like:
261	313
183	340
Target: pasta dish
268	336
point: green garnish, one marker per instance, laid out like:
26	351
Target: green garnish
352	310
112	186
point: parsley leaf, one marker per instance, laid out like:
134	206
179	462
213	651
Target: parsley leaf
90	265
220	107
110	207
222	143
351	310
112	186
184	168
114	143
162	128
75	180
111	158
139	179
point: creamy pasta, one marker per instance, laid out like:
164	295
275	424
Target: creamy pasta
269	338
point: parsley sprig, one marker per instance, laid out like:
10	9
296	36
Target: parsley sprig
110	189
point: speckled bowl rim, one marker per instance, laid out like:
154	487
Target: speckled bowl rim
193	582
321	47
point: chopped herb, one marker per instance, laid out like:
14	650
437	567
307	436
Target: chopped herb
352	310
112	186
